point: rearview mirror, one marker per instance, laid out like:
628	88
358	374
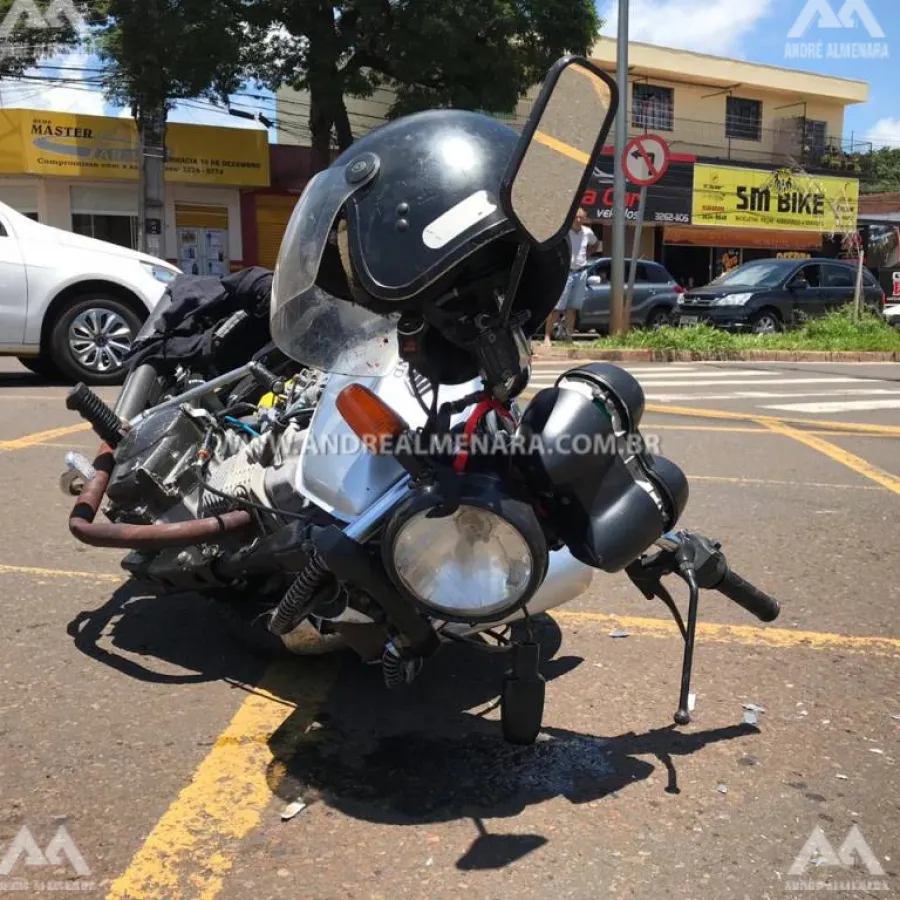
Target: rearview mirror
594	281
549	170
799	284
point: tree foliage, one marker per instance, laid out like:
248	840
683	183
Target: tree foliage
882	171
32	32
160	51
469	54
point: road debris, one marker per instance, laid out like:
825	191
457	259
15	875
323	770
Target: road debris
751	713
619	633
722	788
292	809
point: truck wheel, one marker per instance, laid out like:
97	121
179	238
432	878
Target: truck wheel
90	338
659	318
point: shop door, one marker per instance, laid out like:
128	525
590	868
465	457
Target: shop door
202	240
273	212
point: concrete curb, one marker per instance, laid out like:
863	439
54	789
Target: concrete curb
664	356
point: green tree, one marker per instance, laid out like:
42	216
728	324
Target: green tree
30	32
469	54
882	170
158	52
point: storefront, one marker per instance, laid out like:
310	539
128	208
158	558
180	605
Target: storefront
668	202
741	213
80	173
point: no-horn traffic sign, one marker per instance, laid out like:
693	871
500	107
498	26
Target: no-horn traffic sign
646	159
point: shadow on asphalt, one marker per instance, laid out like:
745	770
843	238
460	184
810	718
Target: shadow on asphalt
182	630
423	754
26	379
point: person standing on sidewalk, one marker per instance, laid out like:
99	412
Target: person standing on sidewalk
583	243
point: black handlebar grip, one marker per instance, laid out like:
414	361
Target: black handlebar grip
764	607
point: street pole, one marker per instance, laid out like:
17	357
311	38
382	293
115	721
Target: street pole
617	323
638	234
151	124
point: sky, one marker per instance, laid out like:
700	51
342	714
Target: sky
755	30
758	31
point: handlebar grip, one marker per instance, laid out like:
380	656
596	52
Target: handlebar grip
764	607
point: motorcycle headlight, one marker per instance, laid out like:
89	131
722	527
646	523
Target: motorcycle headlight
480	563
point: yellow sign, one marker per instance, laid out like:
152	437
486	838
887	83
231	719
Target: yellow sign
34	142
774	199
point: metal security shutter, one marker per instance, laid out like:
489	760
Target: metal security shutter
273	212
22	198
194	215
101	200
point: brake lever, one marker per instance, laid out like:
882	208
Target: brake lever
695	560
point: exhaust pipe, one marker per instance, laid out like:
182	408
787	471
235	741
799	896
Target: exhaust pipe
141	537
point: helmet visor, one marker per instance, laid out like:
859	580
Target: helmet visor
307	323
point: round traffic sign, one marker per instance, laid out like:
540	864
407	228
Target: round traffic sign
646	159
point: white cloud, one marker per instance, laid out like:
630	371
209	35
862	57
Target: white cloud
717	27
885	133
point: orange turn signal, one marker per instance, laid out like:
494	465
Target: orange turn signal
371	419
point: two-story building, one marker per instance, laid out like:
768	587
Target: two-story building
731	126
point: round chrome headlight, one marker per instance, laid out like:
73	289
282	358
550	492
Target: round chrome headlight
481	563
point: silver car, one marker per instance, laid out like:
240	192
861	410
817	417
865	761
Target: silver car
655	295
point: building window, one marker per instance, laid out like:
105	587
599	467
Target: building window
653	107
743	119
121	230
815	137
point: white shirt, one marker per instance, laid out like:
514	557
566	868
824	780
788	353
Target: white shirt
580	242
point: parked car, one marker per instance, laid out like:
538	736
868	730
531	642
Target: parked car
892	315
655	295
768	295
70	304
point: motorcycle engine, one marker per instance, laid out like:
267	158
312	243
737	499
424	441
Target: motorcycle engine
156	479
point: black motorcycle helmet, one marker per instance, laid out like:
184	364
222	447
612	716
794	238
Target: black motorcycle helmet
408	222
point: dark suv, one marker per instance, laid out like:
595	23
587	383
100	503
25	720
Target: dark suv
768	295
655	295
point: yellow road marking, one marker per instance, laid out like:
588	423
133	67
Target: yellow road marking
39	437
61	573
850	460
698	413
857	429
192	847
740	634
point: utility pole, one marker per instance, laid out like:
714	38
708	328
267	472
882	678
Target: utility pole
150	115
617	323
151	124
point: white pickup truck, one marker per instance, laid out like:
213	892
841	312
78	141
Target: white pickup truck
70	304
892	315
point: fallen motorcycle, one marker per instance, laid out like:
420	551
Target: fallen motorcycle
370	479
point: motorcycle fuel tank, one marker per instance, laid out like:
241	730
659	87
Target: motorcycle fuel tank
336	471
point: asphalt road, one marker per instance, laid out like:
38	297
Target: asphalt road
169	754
